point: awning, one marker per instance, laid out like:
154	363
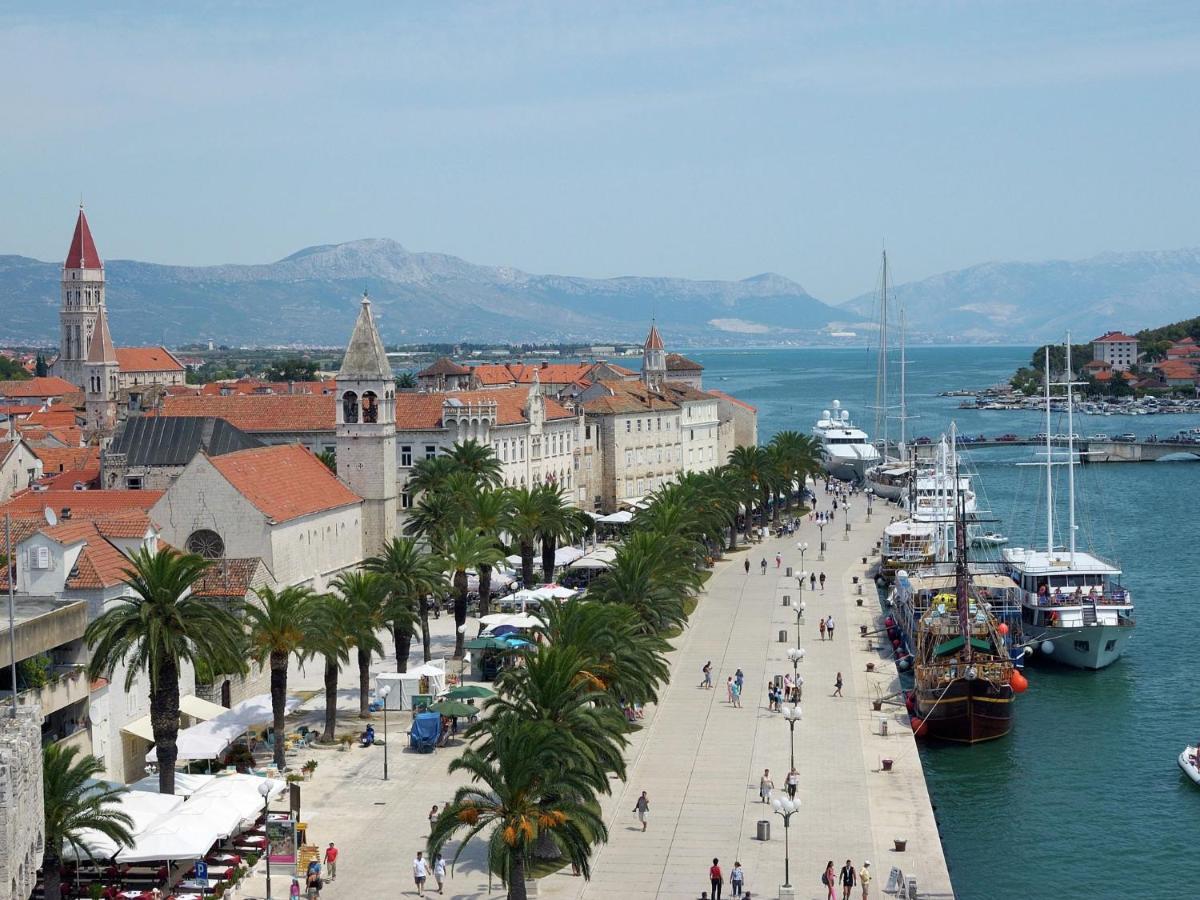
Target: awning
191	705
140	728
618	518
208	740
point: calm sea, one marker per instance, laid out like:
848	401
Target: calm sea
1084	798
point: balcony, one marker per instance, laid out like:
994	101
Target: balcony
66	684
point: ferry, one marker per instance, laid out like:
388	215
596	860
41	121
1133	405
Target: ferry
846	451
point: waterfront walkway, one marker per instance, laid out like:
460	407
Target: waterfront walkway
699	759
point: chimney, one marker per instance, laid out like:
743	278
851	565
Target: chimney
65	513
291	387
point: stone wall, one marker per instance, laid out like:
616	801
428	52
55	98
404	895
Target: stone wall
22	828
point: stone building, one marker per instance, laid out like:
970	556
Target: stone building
682	370
305	419
22	815
150	452
232	583
19	466
1117	349
444	374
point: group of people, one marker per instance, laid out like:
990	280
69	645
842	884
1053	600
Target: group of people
825	626
766	785
789	691
847	878
716	881
813	577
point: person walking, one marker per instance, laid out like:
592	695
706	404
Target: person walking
642	808
793	782
293	891
737	694
821	627
763	565
729	690
439	871
747	565
736	878
829	879
829	626
765	786
706	681
433	814
778	563
420	872
715	879
313	886
822	581
837	685
331	855
847	879
812	581
864	878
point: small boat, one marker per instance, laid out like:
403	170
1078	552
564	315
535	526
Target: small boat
989	539
1189	761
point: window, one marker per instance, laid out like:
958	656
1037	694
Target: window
133	482
406	455
659	420
370	407
206	543
1110	646
406	500
629	457
628	426
350	407
639	424
430	451
1082	646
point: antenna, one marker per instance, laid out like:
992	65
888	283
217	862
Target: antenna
51	518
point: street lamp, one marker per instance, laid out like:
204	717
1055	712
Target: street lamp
786	807
847	508
802	546
462	662
870	492
383	695
800	609
265	790
821	527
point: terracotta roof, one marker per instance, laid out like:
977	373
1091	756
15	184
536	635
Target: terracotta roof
1114	337
38	435
46	386
227	578
148	359
493	373
627	397
1176	369
677	390
654	340
88	476
82	254
1098	364
83	504
259	412
443	366
423	412
733	399
284	482
99	565
525	373
54	417
18	409
677	362
255	386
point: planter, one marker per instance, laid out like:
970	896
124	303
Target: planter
859	601
877	705
887	765
900	845
870	667
862	630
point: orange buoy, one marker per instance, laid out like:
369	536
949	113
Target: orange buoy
1018	682
1002	628
918	725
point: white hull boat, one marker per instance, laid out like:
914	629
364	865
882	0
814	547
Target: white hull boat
989	539
1188	762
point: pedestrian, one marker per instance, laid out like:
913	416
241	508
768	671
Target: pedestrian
829	879
798	689
837	686
715	879
778	563
314	884
737	695
706	671
420	873
642	808
829	626
847	878
763	565
433	814
331	855
439	870
729	690
293	891
822	581
739	677
835	504
765	786
736	878
821	626
812	581
747	565
771	696
793	782
864	878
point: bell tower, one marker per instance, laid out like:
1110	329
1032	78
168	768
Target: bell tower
102	382
366	430
82	299
654	359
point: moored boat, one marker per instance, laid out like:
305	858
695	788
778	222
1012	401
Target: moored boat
1189	761
846	451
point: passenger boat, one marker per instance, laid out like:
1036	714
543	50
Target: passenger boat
846	451
990	539
1189	761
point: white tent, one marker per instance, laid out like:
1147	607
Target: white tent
431	676
517	620
600	558
142	807
239	793
186	783
624	517
188	832
564	556
208	740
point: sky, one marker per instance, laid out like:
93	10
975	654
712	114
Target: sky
701	140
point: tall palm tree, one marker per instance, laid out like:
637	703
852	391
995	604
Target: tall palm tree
653	574
754	470
411	576
332	637
479	460
488	511
429	475
559	522
365	594
76	802
278	627
429	517
155	630
524	789
465	548
524	526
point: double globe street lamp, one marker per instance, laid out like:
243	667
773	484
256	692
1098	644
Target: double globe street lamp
802	547
264	790
846	507
792	715
786	807
383	696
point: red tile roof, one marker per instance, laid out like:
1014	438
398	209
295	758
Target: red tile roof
1176	369
227	577
18	409
1113	337
46	386
55	417
62	459
255	386
283	482
147	359
733	399
259	412
423	412
83	504
627	397
654	340
677	362
37	435
83	254
99	565
443	366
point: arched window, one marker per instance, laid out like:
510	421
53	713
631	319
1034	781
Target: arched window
206	543
350	407
370	407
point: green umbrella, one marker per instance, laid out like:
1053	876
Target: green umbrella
476	691
486	643
454	708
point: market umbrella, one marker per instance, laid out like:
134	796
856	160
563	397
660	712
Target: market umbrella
477	691
486	643
454	708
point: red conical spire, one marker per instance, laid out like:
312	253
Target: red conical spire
82	254
654	340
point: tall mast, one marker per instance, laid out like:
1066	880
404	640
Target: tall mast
961	571
1049	466
903	397
881	384
1070	455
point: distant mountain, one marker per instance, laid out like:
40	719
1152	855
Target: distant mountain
309	297
1013	302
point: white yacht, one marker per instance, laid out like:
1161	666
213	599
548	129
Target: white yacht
845	450
1073	604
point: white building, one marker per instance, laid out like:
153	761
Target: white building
19	467
1117	349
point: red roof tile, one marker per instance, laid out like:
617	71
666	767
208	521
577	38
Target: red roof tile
677	362
147	359
83	504
83	254
259	412
46	386
733	399
443	366
1113	337
227	577
62	459
627	397
423	412
54	417
283	482
654	340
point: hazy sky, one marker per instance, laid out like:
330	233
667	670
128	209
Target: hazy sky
699	140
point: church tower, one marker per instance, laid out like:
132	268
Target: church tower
82	299
101	372
654	359
366	430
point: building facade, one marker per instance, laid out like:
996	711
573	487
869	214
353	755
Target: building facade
1117	349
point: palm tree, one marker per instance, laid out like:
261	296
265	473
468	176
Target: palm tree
524	789
798	456
279	626
76	802
560	521
411	576
653	574
754	471
463	549
524	526
430	516
406	381
157	629
364	593
329	458
487	511
479	460
429	475
332	637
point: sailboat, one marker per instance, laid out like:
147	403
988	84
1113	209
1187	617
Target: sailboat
1073	599
890	479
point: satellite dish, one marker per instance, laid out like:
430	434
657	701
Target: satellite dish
51	518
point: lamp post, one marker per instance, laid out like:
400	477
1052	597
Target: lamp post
383	695
847	534
265	790
870	492
821	527
802	546
786	807
462	662
803	576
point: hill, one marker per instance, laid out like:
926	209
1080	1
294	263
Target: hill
309	298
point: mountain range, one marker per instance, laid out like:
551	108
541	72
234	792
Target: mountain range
308	298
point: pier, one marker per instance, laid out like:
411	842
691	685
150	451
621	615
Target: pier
1089	449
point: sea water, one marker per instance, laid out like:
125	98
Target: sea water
1084	798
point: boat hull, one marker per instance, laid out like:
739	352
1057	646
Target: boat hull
1088	647
1190	768
846	469
965	712
885	489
